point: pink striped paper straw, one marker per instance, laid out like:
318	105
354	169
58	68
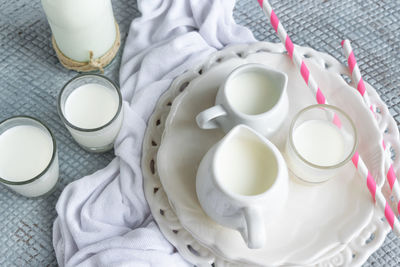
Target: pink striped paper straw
357	78
355	72
308	78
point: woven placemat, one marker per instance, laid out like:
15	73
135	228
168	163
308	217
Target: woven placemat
31	77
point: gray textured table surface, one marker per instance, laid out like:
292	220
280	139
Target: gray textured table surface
31	77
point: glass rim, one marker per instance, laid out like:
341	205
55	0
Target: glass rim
53	156
80	76
323	167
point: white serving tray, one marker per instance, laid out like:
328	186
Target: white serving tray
328	224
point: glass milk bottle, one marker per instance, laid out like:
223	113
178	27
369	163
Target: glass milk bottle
80	27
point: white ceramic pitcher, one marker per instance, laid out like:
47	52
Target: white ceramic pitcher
252	94
242	183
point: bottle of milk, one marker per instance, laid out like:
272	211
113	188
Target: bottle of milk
80	26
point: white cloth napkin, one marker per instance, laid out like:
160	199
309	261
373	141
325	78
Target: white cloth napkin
103	219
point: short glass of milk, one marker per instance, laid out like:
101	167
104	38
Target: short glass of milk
322	139
28	156
90	105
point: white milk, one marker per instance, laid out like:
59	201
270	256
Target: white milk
25	152
252	93
91	106
80	26
246	166
319	142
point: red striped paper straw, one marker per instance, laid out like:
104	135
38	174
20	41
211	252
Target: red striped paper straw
310	81
357	78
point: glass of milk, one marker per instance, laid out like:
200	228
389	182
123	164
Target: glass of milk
322	139
28	156
90	105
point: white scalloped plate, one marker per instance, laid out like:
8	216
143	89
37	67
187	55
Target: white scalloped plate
320	224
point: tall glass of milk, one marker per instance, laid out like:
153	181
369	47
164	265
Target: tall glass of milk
90	105
28	156
322	139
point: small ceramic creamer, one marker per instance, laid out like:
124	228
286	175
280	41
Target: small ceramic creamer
253	95
242	183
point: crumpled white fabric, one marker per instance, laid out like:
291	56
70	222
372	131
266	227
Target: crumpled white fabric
104	219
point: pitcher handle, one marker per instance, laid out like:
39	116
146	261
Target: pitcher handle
255	236
206	118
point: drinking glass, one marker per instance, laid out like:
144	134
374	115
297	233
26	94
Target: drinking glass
98	139
312	171
44	182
